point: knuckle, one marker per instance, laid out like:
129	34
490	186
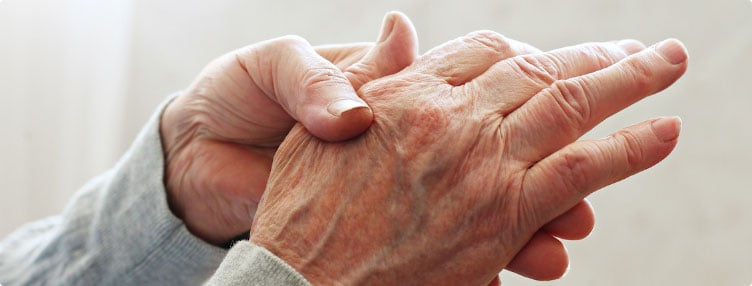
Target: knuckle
540	68
490	39
315	79
573	169
602	55
632	151
278	47
572	99
639	74
288	41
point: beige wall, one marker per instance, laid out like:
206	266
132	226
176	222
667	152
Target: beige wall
79	78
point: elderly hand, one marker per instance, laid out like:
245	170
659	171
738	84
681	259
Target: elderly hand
467	158
220	136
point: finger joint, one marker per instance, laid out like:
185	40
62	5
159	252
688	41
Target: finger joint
542	69
490	39
629	142
573	100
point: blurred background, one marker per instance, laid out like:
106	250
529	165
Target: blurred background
78	79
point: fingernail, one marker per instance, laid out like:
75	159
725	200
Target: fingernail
338	107
386	27
631	46
672	51
667	128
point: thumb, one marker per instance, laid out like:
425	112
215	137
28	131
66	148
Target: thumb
308	87
396	49
315	92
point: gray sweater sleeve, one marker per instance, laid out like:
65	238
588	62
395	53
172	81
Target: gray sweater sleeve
118	230
249	264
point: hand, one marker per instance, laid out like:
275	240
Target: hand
218	207
220	136
544	257
467	159
214	210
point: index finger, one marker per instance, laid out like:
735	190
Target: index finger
512	82
560	114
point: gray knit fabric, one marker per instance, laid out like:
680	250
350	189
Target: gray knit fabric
248	264
118	230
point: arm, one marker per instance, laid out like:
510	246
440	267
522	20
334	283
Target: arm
117	230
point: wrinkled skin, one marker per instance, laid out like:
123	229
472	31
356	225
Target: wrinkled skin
467	158
220	135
